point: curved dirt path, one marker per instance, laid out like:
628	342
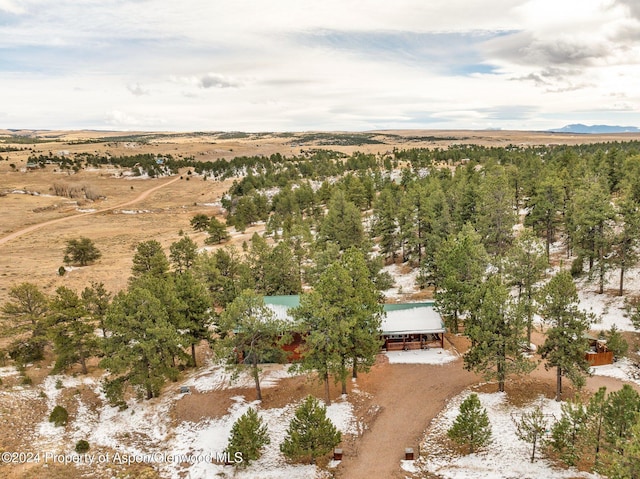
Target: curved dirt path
142	196
410	396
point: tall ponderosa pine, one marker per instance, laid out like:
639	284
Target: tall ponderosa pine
195	311
565	345
183	254
364	337
70	330
471	427
545	207
495	212
250	333
525	266
310	434
592	227
620	414
24	313
248	438
343	223
626	238
496	335
142	343
150	258
96	301
323	315
342	318
460	265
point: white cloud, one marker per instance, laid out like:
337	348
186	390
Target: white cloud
11	7
303	64
137	89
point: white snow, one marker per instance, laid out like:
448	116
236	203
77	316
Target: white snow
214	377
405	283
622	369
146	429
132	212
421	356
7	371
506	457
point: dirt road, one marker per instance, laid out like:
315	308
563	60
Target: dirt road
410	396
31	228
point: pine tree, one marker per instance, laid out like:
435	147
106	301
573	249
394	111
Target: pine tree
310	434
249	329
495	212
569	432
183	254
524	267
545	206
142	343
81	251
96	301
343	223
386	222
199	222
626	239
460	265
531	428
24	313
217	231
627	465
248	438
68	327
471	427
195	311
565	344
323	317
620	413
596	417
150	259
496	333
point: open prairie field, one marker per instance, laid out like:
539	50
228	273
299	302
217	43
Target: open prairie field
126	215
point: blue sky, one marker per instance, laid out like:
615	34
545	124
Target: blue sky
291	65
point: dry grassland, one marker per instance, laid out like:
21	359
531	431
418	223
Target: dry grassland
37	255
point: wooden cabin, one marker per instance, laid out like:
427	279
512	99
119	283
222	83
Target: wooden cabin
404	325
412	326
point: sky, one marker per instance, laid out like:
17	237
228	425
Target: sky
298	65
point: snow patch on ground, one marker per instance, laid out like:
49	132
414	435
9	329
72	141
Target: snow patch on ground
145	428
506	457
405	283
212	435
132	212
421	356
214	377
622	369
7	371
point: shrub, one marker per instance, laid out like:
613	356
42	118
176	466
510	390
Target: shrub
82	446
59	416
61	271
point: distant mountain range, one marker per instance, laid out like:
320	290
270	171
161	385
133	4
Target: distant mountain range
595	129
